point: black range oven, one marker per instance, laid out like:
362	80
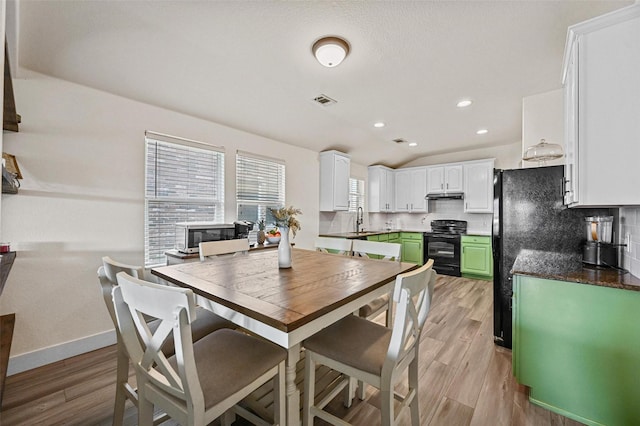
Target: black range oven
442	245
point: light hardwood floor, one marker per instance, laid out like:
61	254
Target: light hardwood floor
464	378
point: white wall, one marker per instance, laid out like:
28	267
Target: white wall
81	152
507	156
543	118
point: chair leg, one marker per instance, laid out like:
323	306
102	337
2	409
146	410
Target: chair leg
386	407
228	417
122	378
145	407
309	388
349	392
413	385
389	314
361	389
279	397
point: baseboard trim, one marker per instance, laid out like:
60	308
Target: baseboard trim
35	359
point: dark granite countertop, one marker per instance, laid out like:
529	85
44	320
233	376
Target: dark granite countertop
569	267
361	234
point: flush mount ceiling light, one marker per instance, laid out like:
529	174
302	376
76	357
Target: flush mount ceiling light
413	144
330	51
543	152
482	132
378	124
464	103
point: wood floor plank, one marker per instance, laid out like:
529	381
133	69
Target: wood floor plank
495	403
526	413
470	376
433	384
452	413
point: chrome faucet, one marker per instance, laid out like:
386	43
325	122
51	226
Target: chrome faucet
359	219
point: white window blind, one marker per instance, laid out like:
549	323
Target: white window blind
183	182
259	185
356	194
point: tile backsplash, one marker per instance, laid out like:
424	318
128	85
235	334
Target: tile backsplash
338	222
630	224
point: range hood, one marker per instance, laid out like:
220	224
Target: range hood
445	196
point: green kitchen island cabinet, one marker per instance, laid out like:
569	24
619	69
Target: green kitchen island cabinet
476	259
577	346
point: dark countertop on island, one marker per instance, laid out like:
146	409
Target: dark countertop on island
569	267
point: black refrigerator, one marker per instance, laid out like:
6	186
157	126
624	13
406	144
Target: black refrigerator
529	213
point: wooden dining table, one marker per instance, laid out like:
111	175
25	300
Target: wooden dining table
289	305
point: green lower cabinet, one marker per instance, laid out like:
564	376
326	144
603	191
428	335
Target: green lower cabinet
577	346
412	247
476	259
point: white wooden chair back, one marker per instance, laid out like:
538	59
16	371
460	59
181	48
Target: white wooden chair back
217	248
175	308
412	294
389	251
107	277
341	245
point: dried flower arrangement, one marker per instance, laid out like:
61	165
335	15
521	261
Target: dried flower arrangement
286	216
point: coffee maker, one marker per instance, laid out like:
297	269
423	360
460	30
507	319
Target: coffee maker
598	250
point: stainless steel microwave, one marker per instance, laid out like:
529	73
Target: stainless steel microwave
189	235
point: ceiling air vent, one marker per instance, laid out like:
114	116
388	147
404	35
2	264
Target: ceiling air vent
399	141
324	100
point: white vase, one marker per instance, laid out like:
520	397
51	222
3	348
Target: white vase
284	248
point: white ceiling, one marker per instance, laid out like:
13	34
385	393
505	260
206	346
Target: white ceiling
248	65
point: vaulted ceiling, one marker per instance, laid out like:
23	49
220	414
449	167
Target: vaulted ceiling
248	65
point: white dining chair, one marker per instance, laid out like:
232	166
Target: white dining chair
339	245
217	248
206	323
372	353
388	251
204	379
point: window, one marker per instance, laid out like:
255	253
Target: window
259	185
356	194
184	181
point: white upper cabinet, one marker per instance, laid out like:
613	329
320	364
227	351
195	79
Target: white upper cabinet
381	189
601	79
335	169
444	179
478	186
410	190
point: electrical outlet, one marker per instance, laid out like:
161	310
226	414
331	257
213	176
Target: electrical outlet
627	242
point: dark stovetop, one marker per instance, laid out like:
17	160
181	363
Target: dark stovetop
448	226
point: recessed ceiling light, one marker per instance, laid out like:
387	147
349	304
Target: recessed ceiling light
378	124
413	144
482	132
464	103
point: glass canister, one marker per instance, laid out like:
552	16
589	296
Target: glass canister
599	228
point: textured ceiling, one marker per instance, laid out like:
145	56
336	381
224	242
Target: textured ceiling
248	65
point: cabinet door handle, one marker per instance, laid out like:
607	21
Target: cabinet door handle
447	185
